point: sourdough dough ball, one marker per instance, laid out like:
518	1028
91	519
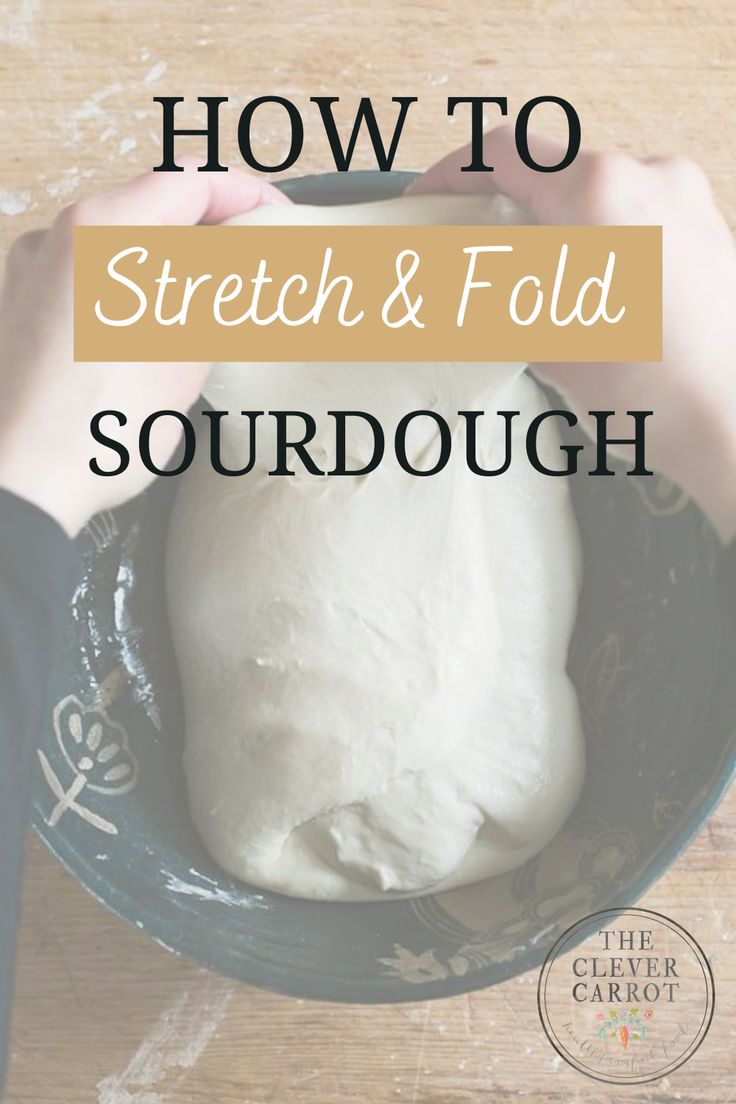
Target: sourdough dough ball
374	667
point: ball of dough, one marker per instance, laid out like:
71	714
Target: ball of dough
374	667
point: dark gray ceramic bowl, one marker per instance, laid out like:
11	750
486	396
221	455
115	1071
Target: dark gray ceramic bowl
653	663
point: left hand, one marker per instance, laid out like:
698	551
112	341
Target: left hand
48	400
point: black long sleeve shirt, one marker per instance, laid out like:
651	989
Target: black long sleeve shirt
38	569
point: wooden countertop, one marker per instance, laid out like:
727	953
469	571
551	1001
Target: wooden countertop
104	1015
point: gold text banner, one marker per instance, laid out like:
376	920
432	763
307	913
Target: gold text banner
368	293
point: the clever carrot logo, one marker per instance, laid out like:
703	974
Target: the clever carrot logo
626	995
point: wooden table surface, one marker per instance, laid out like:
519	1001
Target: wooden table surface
102	1013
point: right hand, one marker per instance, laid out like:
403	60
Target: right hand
691	436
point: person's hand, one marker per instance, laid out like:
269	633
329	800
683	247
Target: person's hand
691	436
47	400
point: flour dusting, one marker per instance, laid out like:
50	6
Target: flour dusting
156	72
89	111
17	22
66	185
212	892
176	1042
14	203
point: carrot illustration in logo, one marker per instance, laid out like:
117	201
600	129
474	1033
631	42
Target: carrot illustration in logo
623	1024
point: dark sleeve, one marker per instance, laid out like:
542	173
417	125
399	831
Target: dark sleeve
38	569
727	581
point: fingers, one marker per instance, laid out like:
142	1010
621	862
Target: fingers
176	199
509	175
446	176
546	195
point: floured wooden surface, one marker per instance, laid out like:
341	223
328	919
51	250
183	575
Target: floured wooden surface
103	1015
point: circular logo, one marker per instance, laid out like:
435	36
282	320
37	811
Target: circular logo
626	996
